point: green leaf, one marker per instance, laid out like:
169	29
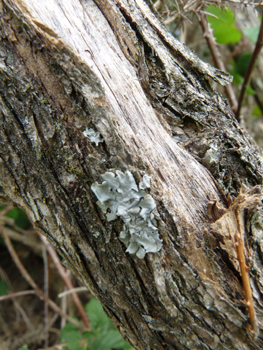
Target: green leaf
242	64
103	336
24	347
71	336
110	340
98	319
238	79
88	336
3	287
251	33
257	111
2	206
250	90
20	217
223	26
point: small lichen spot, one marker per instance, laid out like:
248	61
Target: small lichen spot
93	136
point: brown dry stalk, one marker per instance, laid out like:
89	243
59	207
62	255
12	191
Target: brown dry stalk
31	282
208	35
67	281
245	280
252	63
27	240
18	294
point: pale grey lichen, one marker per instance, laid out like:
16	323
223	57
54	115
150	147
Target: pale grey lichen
93	136
212	155
121	196
145	182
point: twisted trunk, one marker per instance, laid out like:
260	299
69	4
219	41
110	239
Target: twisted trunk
99	91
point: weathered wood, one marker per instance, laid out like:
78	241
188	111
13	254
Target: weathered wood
70	66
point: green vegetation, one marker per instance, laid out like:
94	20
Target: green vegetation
20	218
223	24
103	335
3	288
24	347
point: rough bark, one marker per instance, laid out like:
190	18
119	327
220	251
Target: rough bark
110	65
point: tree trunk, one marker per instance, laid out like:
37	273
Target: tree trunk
98	92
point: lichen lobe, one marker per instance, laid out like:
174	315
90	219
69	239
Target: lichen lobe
121	196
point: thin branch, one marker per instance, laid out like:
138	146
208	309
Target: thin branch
63	306
245	280
239	2
244	271
26	240
31	282
18	294
208	35
180	11
252	62
11	222
46	281
6	279
157	4
73	290
59	267
237	50
62	272
6	210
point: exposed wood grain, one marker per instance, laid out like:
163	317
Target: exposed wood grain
85	29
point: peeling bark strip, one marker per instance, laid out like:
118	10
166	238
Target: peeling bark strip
245	279
234	226
90	88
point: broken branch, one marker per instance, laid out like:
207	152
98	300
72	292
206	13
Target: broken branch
246	284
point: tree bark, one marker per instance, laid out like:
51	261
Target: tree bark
99	91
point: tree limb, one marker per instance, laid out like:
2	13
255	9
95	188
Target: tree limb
98	90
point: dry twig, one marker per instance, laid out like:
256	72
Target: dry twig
208	35
34	245
252	62
18	294
232	227
31	282
74	290
183	8
46	282
63	274
244	268
245	280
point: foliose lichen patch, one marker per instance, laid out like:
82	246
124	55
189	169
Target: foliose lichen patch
93	136
120	196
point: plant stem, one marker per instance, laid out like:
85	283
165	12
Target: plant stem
252	62
246	284
208	35
31	282
18	294
61	270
